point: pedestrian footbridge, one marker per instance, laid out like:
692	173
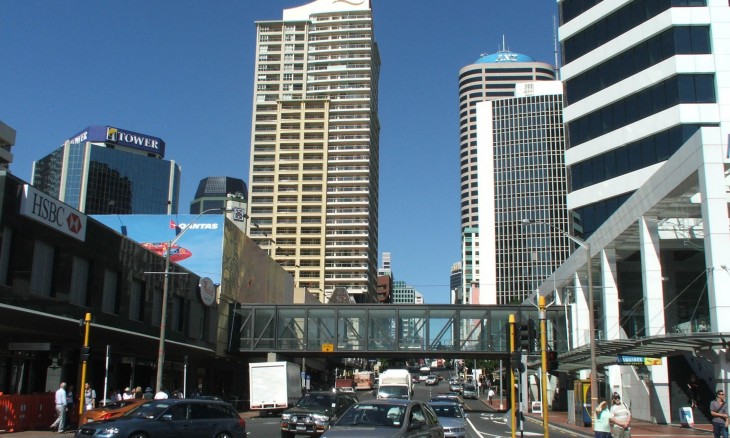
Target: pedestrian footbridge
384	330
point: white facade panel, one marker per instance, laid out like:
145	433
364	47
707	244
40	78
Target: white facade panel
610	188
486	259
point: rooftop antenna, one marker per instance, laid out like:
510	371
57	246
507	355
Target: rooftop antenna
504	45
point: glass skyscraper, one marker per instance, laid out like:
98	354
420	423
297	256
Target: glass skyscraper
106	170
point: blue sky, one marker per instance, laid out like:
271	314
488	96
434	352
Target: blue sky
182	70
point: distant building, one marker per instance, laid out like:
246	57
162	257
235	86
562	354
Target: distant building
455	286
492	76
7	140
107	170
385	280
405	294
216	194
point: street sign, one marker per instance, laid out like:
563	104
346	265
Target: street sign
637	360
328	348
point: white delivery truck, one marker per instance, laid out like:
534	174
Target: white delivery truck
274	386
395	383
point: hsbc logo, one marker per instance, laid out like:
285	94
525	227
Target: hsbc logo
53	213
74	223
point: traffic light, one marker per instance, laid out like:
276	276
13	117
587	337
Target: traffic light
85	354
552	358
527	336
515	361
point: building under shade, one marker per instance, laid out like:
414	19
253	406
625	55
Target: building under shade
107	170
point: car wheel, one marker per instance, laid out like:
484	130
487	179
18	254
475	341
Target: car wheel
138	435
263	413
285	434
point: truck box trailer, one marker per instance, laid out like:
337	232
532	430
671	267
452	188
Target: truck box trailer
273	386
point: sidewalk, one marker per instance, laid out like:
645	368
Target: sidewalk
559	420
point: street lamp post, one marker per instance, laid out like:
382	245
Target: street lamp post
165	287
591	322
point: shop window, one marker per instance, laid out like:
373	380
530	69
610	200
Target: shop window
110	296
79	292
136	301
42	271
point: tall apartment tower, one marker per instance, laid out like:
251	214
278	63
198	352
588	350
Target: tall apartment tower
491	77
107	170
640	78
521	148
314	165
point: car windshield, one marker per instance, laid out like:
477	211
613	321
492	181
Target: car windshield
452	411
149	410
315	401
394	391
470	387
385	415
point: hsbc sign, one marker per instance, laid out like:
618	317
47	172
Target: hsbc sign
53	213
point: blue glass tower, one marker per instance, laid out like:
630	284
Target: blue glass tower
107	170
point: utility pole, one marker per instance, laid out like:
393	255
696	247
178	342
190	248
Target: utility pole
84	359
512	374
543	361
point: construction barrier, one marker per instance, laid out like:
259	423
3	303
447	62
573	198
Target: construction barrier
26	412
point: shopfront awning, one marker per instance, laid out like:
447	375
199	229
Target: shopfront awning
673	344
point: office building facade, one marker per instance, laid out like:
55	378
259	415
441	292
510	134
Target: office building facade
107	170
216	194
492	76
521	175
647	121
314	164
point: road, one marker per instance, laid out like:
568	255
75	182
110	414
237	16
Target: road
482	421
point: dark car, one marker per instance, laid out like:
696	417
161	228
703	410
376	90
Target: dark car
180	418
314	412
469	390
395	418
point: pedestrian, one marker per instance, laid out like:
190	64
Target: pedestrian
602	419
692	388
60	398
138	392
89	397
70	405
718	412
490	396
622	418
161	394
148	394
115	396
127	393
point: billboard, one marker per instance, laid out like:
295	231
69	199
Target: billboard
199	244
121	137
